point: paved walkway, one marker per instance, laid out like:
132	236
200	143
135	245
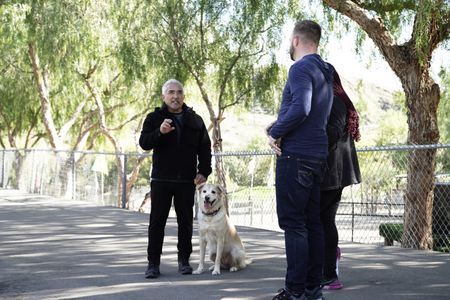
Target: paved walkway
57	249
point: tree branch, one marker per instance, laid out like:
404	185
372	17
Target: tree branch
178	48
130	120
389	7
66	127
230	68
42	86
375	29
108	91
237	100
31	127
82	135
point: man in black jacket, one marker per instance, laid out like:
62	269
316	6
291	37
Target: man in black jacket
181	159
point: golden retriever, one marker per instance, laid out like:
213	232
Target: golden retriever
216	231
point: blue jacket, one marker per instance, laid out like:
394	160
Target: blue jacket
305	108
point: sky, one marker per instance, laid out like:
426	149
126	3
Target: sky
341	53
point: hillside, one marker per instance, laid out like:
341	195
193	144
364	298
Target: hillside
373	103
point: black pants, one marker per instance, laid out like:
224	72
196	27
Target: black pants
183	199
329	203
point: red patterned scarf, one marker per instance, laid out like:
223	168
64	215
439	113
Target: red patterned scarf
352	115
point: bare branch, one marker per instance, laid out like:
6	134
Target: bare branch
233	63
136	116
42	86
375	29
237	100
31	127
76	114
83	134
109	89
178	47
37	137
387	7
91	71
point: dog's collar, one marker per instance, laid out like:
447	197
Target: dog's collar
213	213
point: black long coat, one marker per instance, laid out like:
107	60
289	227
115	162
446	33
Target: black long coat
343	168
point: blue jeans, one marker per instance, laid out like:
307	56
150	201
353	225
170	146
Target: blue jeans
298	208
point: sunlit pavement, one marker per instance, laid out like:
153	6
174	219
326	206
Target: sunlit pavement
53	248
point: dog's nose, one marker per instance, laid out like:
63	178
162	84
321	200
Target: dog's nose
207	198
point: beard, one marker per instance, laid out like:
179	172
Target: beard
291	52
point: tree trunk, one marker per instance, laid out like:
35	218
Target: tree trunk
216	139
422	97
41	81
17	168
131	179
217	148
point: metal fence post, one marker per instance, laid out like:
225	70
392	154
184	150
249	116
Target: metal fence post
124	181
74	181
353	219
2	175
33	151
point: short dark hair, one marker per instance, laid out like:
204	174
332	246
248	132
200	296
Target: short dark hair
308	31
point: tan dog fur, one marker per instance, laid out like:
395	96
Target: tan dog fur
217	233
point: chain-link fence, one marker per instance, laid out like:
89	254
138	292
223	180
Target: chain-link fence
374	211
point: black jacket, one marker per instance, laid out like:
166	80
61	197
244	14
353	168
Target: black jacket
175	160
343	167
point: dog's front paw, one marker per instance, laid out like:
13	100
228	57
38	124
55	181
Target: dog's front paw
233	269
216	272
198	271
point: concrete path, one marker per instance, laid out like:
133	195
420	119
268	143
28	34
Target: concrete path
52	248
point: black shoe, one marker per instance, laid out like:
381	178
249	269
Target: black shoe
152	271
314	294
184	267
284	294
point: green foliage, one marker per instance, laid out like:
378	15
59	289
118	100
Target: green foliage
443	158
379	173
444	107
71	38
267	93
222	47
393	129
361	104
399	101
394	232
391	231
243	169
18	105
431	16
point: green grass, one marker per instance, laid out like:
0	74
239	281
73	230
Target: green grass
394	231
258	193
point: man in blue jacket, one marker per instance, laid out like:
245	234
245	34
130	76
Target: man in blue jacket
181	159
299	139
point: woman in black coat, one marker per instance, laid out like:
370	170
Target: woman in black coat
343	170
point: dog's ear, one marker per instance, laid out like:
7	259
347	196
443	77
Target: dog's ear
199	186
221	189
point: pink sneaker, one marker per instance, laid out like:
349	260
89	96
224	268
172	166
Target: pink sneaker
333	285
